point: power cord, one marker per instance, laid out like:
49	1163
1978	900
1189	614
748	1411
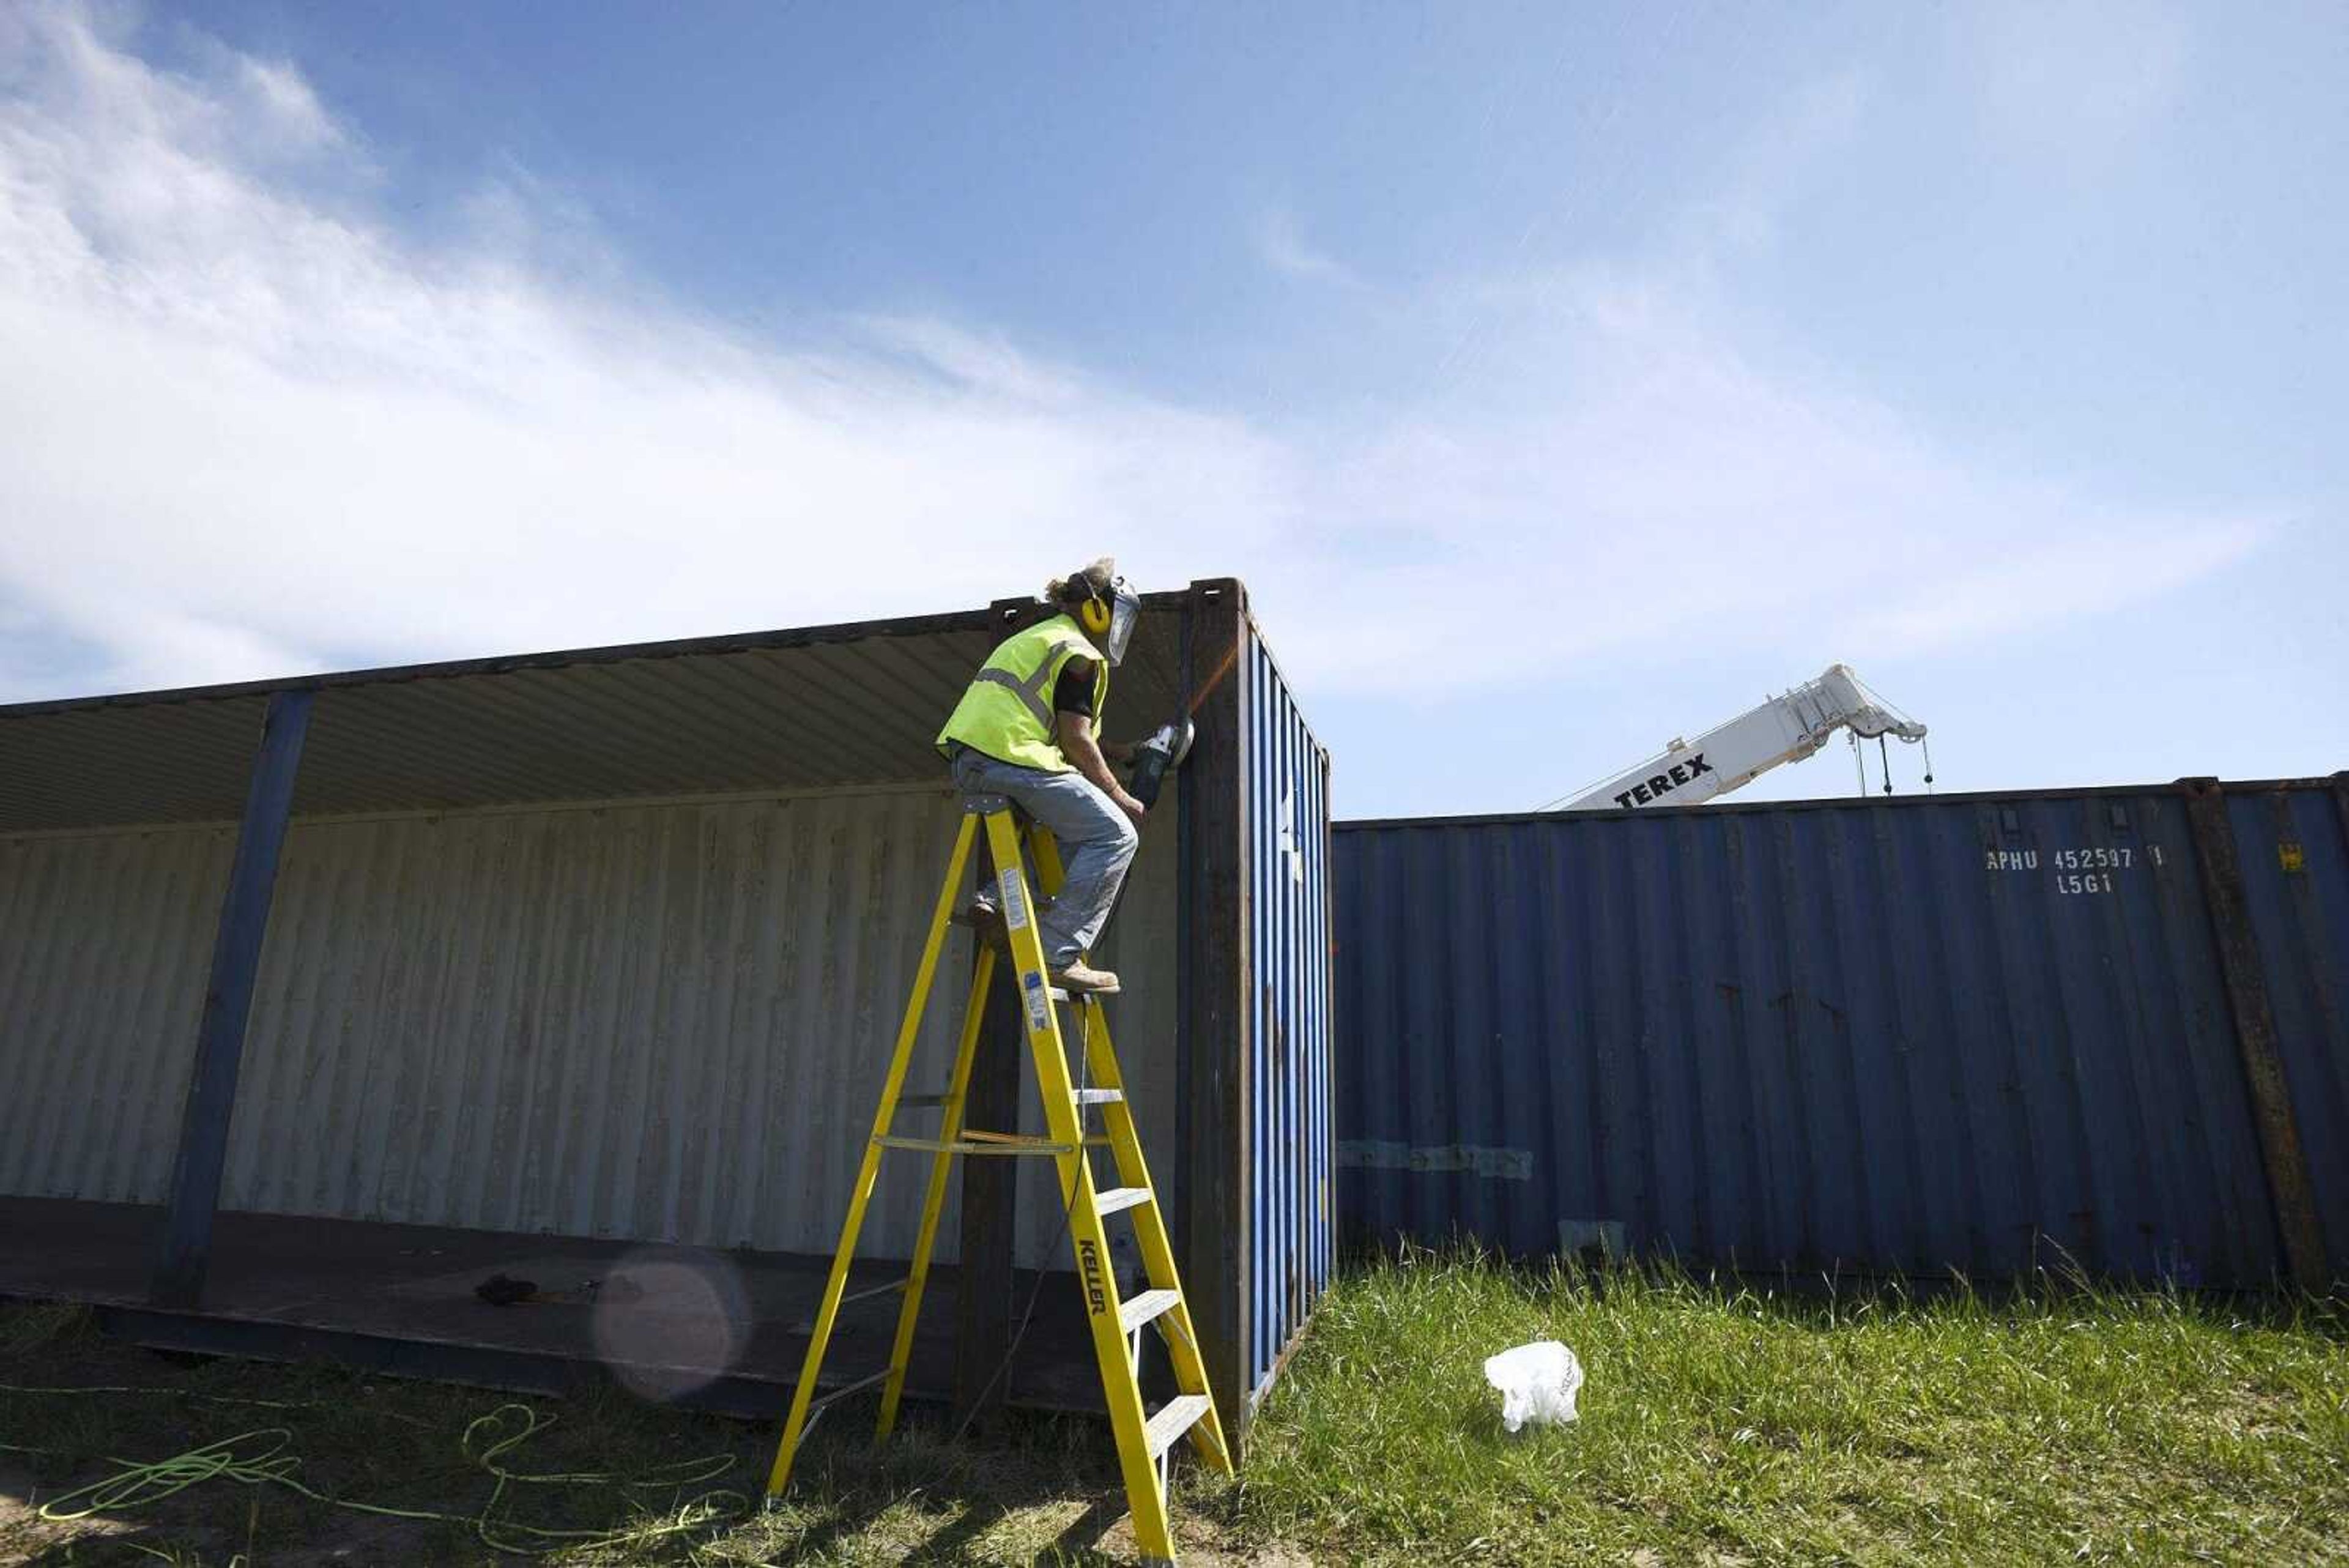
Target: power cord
263	1457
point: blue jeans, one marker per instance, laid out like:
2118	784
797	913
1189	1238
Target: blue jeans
1096	843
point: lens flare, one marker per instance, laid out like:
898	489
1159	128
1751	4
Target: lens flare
668	1323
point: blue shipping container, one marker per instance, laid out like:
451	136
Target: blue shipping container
1987	1033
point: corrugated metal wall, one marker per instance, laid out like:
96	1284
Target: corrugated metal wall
105	940
521	974
1906	1036
1290	1142
656	1021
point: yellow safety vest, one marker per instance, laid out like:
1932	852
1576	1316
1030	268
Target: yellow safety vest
1008	711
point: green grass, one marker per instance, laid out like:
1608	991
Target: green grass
1724	1424
1719	1425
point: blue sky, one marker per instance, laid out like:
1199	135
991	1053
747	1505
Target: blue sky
1561	379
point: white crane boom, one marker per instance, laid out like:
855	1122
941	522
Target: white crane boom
1784	729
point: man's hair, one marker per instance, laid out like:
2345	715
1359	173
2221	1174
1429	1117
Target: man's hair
1072	589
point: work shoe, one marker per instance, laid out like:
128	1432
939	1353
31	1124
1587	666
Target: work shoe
985	918
1081	979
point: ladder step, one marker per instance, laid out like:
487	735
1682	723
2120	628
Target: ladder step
867	1294
1117	1197
965	1145
906	1101
833	1396
1133	1315
1173	1418
1100	1097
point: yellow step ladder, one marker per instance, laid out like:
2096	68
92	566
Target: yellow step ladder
1146	1439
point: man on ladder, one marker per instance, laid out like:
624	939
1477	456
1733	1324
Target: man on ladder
1027	729
1022	736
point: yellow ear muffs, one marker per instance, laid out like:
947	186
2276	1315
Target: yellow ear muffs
1094	616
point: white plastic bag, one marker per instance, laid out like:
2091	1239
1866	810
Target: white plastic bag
1537	1383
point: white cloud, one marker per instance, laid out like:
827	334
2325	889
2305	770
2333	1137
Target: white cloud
251	433
1280	240
252	428
1623	480
984	363
286	106
2096	567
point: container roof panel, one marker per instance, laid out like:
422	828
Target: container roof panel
186	762
817	708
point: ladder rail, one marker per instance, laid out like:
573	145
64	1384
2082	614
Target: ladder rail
1145	1493
933	1198
1151	1235
869	1170
1157	1248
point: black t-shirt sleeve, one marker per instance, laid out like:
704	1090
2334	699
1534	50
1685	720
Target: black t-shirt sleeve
1073	691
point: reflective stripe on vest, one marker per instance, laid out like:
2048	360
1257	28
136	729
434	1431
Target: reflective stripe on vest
1031	691
1007	712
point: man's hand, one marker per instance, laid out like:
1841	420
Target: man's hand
1075	734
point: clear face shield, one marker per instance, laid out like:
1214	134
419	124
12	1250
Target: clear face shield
1124	615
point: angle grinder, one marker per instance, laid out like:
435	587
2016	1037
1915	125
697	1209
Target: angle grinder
1156	757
